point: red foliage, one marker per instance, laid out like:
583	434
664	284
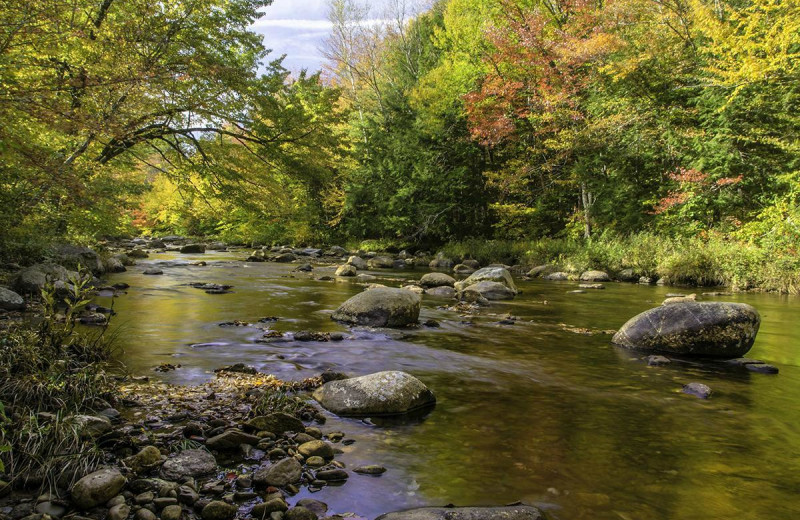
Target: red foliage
539	68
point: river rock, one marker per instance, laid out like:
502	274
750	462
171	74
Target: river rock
31	280
97	488
153	271
463	269
380	307
10	301
357	262
437	280
119	512
707	329
264	509
300	513
595	276
382	393
488	290
115	264
189	249
441	292
380	262
520	512
277	423
316	448
231	440
346	270
218	510
370	469
628	275
172	512
282	473
315	506
488	274
698	390
542	270
73	257
441	262
189	463
147	457
556	277
285	258
89	426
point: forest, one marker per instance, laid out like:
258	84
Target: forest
660	135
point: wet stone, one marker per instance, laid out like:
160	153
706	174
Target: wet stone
657	361
332	475
371	469
698	390
762	368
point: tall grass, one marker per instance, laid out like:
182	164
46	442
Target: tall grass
50	371
711	261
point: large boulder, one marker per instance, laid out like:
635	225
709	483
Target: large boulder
520	512
595	276
189	463
190	249
437	280
33	279
380	262
488	274
10	301
357	262
383	393
97	488
707	329
488	290
380	307
73	257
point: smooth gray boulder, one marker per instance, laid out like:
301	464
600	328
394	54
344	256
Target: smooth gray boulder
380	307
595	276
33	279
488	290
189	463
441	292
382	393
703	329
97	488
520	512
437	280
488	274
10	301
73	257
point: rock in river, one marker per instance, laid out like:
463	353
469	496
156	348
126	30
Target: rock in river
189	463
520	512
380	307
346	270
383	393
10	301
437	280
97	488
488	290
704	329
488	274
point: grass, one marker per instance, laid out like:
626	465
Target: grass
278	400
50	371
711	261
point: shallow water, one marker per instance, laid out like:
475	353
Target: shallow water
532	412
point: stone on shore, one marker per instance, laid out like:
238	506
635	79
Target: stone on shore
382	393
10	301
595	276
277	423
189	463
282	473
380	307
97	488
703	329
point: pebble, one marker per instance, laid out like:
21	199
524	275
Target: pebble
119	512
173	512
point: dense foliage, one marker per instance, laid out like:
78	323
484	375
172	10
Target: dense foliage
504	119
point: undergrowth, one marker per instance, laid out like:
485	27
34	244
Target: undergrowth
50	371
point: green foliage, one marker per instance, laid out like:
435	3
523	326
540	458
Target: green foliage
274	400
49	372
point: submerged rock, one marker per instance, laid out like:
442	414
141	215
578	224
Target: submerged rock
383	393
520	512
710	329
698	390
380	307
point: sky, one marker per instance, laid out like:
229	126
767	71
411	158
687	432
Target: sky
296	28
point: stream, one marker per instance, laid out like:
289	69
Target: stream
543	411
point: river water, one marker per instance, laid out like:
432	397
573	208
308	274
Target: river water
539	411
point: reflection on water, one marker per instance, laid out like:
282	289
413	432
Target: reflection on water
531	411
